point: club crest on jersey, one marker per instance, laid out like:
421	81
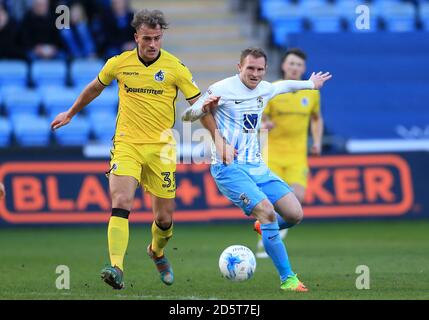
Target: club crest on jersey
245	199
304	102
260	102
160	76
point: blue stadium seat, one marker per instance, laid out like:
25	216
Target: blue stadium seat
424	15
84	71
5	132
13	73
18	101
58	99
45	73
282	28
106	102
271	7
398	16
103	126
326	24
76	133
31	130
372	27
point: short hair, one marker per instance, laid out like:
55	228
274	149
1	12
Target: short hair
150	18
254	52
295	51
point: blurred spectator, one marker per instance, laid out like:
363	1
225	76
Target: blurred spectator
115	33
78	38
41	38
9	32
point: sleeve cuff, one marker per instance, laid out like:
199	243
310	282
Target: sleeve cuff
199	93
101	82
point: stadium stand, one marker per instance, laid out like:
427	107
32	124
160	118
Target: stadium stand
76	133
31	130
48	73
5	132
371	97
13	73
326	29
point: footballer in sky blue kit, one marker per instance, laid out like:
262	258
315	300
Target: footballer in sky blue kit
231	110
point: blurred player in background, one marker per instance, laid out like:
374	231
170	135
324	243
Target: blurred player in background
237	167
287	118
143	151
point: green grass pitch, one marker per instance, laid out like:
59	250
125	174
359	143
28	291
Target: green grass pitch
325	255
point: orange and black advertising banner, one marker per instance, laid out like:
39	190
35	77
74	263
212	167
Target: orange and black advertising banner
340	186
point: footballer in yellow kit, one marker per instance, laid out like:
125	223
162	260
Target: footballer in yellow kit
287	140
143	152
146	114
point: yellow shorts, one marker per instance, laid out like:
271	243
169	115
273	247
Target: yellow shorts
293	170
152	165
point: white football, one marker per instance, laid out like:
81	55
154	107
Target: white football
237	263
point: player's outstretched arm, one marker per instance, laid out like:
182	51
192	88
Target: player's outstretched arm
88	94
316	81
200	108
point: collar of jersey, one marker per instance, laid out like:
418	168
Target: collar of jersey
148	64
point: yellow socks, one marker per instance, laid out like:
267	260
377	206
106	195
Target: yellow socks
160	238
117	234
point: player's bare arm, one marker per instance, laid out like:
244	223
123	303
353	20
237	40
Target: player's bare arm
317	133
223	148
92	91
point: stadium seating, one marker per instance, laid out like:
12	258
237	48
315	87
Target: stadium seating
31	130
5	132
57	99
424	15
76	133
103	126
13	73
106	102
399	17
18	101
47	73
84	71
286	17
372	95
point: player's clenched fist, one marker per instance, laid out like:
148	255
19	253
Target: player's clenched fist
319	79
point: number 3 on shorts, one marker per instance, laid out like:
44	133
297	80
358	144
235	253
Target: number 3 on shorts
169	179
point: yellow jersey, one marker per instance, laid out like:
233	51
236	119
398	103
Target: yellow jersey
147	95
291	113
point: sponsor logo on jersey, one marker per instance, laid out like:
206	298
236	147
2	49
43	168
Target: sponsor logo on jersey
130	73
160	76
143	90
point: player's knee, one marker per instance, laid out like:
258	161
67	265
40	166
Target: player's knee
164	215
297	215
122	200
266	212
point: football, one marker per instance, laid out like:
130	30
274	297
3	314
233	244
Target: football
237	263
